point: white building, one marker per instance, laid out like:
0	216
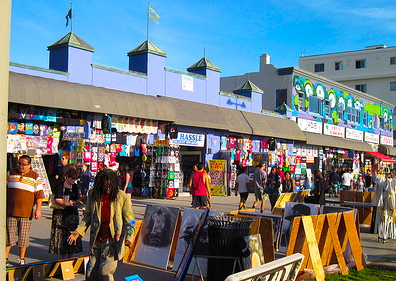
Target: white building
372	70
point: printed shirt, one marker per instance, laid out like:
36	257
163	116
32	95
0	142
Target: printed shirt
22	193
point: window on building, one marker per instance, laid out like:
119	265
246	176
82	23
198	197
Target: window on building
360	63
314	104
327	109
301	102
281	97
393	86
353	114
361	87
340	109
381	123
392	60
319	67
365	118
339	65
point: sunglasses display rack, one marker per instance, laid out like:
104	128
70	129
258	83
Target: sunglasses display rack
39	168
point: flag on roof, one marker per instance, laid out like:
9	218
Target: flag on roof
153	15
69	16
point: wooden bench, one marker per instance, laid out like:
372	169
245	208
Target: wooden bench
285	268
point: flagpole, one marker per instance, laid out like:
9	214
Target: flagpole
71	19
148	21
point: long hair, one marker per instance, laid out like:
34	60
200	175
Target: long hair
100	186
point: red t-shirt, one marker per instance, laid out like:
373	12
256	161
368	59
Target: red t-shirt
199	187
104	231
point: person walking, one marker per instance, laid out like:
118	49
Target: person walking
24	191
273	184
200	189
85	180
241	188
109	214
259	180
319	190
60	177
334	180
347	180
67	219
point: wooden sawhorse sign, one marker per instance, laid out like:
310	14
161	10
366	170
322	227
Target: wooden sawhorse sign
323	239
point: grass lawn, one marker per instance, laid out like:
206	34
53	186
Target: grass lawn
369	274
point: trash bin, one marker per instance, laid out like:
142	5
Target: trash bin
226	239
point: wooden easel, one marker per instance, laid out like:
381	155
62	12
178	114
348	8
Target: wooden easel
323	239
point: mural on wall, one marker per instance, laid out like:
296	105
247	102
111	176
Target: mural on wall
316	101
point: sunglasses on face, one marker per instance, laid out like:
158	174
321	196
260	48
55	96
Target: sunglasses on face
74	178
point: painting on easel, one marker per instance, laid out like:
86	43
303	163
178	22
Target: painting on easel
156	235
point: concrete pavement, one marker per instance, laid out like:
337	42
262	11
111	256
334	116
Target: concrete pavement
377	253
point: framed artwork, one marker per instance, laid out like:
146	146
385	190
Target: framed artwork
292	210
156	235
188	253
256	253
189	221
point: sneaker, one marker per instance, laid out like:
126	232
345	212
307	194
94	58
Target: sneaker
21	262
7	263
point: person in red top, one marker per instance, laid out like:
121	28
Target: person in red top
200	189
24	190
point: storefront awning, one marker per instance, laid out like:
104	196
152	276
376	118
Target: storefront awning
194	114
329	141
38	91
387	150
381	156
270	126
236	121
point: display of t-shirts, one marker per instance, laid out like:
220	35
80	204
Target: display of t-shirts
136	151
12	127
97	121
232	142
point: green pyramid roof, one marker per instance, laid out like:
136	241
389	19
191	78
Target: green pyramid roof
147	47
204	63
72	40
283	108
247	86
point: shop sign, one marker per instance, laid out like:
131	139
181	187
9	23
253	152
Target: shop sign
217	172
161	142
73	136
354	134
310	126
187	83
386	140
333	130
370	137
188	139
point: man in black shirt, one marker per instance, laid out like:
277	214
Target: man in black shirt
334	180
319	191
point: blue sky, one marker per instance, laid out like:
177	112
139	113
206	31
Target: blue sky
233	33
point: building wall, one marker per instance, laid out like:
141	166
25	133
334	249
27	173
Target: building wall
377	74
331	98
196	88
267	79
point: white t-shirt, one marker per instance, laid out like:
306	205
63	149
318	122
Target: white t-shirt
346	178
242	181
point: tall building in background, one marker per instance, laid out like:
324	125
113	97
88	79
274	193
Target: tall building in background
372	70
